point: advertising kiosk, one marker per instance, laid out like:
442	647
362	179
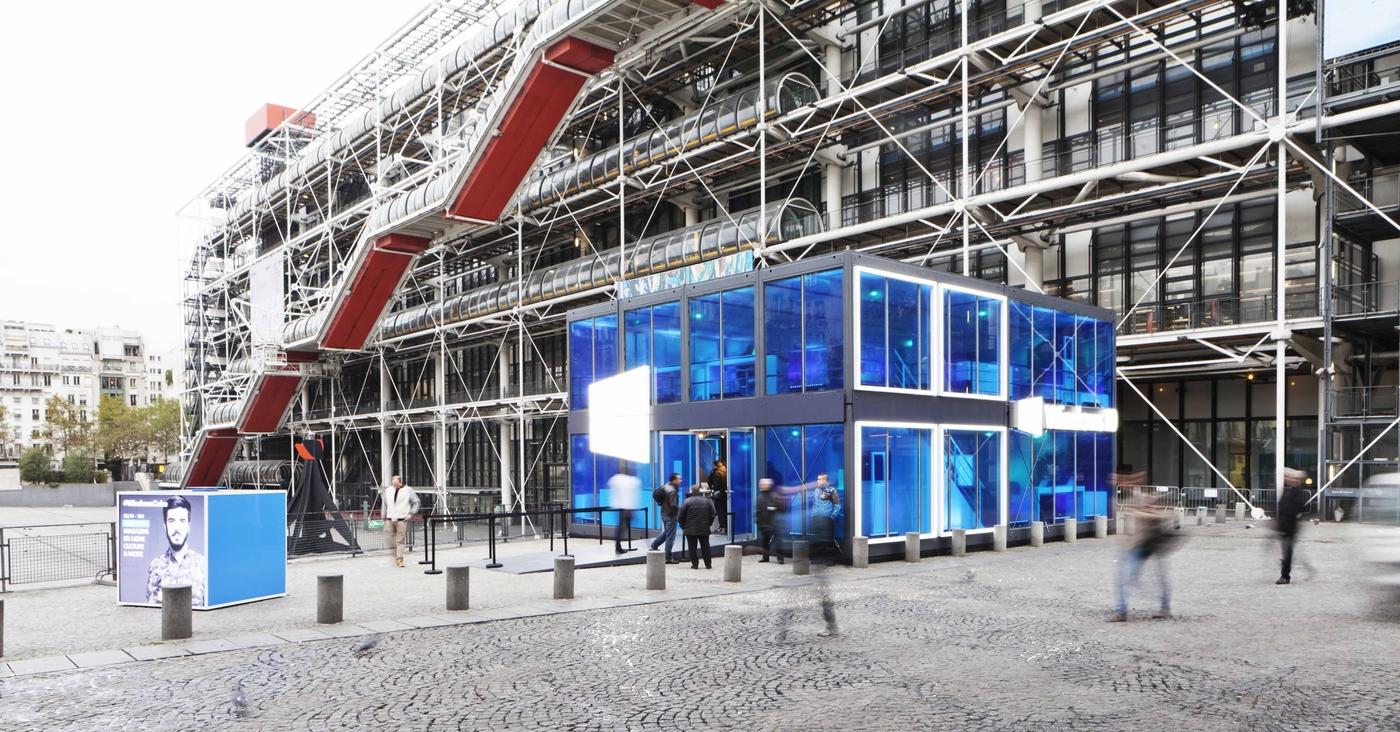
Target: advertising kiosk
230	547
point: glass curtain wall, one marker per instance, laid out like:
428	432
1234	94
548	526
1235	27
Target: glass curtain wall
1058	475
652	337
971	479
803	337
592	355
722	345
1061	357
972	343
795	455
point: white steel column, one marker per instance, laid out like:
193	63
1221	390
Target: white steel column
1032	147
440	425
762	136
692	215
831	61
1281	306
386	437
964	191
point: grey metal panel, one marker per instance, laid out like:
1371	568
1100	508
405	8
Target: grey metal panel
810	408
893	407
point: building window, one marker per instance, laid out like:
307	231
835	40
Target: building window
972	343
133	400
894	332
1058	475
652	337
971	478
896	480
34	414
1060	357
722	345
592	355
796	455
803	333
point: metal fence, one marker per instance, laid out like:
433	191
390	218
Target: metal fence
56	552
1191	498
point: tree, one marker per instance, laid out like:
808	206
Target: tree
67	428
78	466
163	426
34	465
6	436
121	430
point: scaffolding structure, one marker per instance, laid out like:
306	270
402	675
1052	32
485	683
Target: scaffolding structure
963	135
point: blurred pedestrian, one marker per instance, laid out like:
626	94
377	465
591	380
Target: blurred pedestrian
667	498
719	493
1292	501
695	517
400	503
827	515
625	494
1154	538
768	514
823	553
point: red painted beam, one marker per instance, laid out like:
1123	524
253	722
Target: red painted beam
210	457
371	285
529	122
270	396
708	4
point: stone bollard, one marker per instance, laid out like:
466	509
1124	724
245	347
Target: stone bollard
1130	524
1037	533
733	563
801	557
860	552
1239	511
959	542
563	578
656	570
911	546
459	587
1178	518
1200	515
1100	527
1071	530
1220	513
175	613
1120	524
999	538
330	598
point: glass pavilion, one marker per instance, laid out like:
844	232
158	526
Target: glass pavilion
902	384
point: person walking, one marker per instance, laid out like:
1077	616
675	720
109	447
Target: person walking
719	493
823	552
625	494
1154	538
667	498
767	517
1291	504
400	503
695	517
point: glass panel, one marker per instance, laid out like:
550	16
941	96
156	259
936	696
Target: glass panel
604	467
783	455
1022	351
1064	476
704	348
666	351
741	481
960	342
782	300
872	330
1021	498
908	338
824	450
636	338
678	457
583	490
823	335
604	346
738	342
972	469
580	362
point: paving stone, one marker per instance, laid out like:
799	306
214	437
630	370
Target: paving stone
40	665
211	645
384	626
255	640
344	630
301	635
100	658
426	621
151	653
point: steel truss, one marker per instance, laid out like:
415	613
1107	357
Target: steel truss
678	62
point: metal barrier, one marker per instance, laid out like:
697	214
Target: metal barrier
56	552
1190	497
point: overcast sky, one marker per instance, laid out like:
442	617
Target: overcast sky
116	114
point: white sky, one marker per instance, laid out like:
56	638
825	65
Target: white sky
116	114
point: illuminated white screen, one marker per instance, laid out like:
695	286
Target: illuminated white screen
619	415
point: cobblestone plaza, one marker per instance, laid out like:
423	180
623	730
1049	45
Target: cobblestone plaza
990	641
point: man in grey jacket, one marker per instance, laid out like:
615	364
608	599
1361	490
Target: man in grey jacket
400	503
695	516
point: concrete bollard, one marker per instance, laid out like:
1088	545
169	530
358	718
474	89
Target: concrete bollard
1071	530
563	578
330	598
656	570
1100	527
1130	524
1120	524
911	546
1239	511
1178	518
801	557
1037	533
959	542
176	620
860	552
733	563
1200	515
1220	513
459	587
999	538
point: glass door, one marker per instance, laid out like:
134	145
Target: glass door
742	486
677	456
710	445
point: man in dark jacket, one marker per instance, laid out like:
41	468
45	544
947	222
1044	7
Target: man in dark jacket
767	516
1291	503
695	516
667	497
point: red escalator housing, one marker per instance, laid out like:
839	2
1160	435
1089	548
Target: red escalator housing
210	457
548	92
371	285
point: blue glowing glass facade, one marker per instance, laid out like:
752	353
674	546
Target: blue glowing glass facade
894	381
